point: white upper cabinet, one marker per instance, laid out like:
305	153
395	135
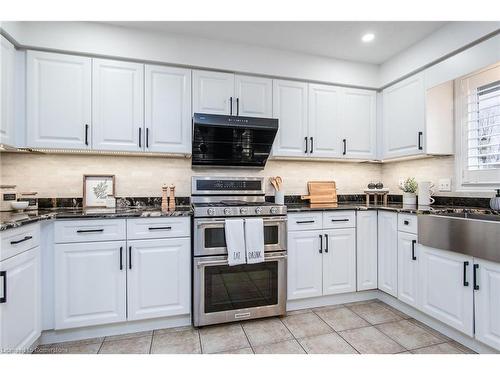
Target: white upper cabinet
339	261
7	64
167	109
359	124
254	96
388	252
117	105
324	121
404	118
58	101
213	92
290	108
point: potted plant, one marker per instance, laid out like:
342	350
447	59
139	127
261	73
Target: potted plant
409	187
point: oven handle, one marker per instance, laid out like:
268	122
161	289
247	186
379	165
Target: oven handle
225	262
266	220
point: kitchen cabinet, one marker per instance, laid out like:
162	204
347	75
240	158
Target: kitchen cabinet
339	261
167	101
117	105
487	302
159	278
58	101
90	283
445	282
408	279
290	107
358	127
388	252
366	250
7	92
20	301
254	96
213	92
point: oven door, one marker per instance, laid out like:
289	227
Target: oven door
247	291
210	237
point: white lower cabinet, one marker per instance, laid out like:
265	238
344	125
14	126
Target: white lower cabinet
388	252
446	287
366	250
339	261
408	268
20	301
159	278
90	283
487	303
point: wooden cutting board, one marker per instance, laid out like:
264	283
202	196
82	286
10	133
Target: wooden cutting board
324	192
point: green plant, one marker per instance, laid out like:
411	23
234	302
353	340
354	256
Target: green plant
409	185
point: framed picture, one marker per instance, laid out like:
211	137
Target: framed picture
96	189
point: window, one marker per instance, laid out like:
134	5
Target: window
479	119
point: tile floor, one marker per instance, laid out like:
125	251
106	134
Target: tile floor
362	327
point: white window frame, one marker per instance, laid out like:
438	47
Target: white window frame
464	183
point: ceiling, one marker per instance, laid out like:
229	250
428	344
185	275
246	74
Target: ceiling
335	39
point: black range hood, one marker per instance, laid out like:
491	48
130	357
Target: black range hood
232	141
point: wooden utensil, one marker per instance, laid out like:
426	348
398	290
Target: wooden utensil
273	182
323	192
279	182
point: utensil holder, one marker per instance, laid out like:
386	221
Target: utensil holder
279	197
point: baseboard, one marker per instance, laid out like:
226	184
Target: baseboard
82	333
336	299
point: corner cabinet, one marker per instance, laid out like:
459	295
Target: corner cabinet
58	100
7	92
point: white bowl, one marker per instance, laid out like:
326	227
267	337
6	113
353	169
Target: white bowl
19	205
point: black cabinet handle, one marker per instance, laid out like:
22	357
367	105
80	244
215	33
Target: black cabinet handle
237	106
89	230
86	134
305	222
159	228
466	283
420	140
335	220
147	137
320	243
121	258
312	144
413	243
130	257
307	145
3	275
406	222
21	240
326	243
231	106
345	146
474	276
140	136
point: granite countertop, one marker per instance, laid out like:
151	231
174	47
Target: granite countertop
16	219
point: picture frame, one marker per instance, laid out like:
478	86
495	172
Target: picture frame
96	189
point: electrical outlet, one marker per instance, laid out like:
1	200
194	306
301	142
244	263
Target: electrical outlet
444	184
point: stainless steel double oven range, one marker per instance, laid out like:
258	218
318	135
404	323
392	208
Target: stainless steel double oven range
222	293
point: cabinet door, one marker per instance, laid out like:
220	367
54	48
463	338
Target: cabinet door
20	314
7	64
366	250
487	303
213	92
404	117
445	282
324	121
408	268
254	96
90	284
305	264
159	278
117	105
359	123
58	100
167	109
339	261
388	252
290	108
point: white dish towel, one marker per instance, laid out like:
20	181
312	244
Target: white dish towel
235	241
254	240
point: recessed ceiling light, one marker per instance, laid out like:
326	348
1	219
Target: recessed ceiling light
368	37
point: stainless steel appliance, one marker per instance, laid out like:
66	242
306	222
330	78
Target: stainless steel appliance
222	293
232	141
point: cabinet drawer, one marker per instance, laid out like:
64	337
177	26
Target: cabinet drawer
339	219
89	230
305	221
145	228
17	240
407	223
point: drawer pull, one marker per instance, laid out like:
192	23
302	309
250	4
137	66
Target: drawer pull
305	222
89	230
21	240
334	220
160	228
406	222
3	275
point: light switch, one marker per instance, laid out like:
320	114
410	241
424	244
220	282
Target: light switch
444	184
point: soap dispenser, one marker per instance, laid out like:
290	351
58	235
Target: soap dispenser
495	201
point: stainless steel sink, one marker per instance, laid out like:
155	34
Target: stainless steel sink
468	233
